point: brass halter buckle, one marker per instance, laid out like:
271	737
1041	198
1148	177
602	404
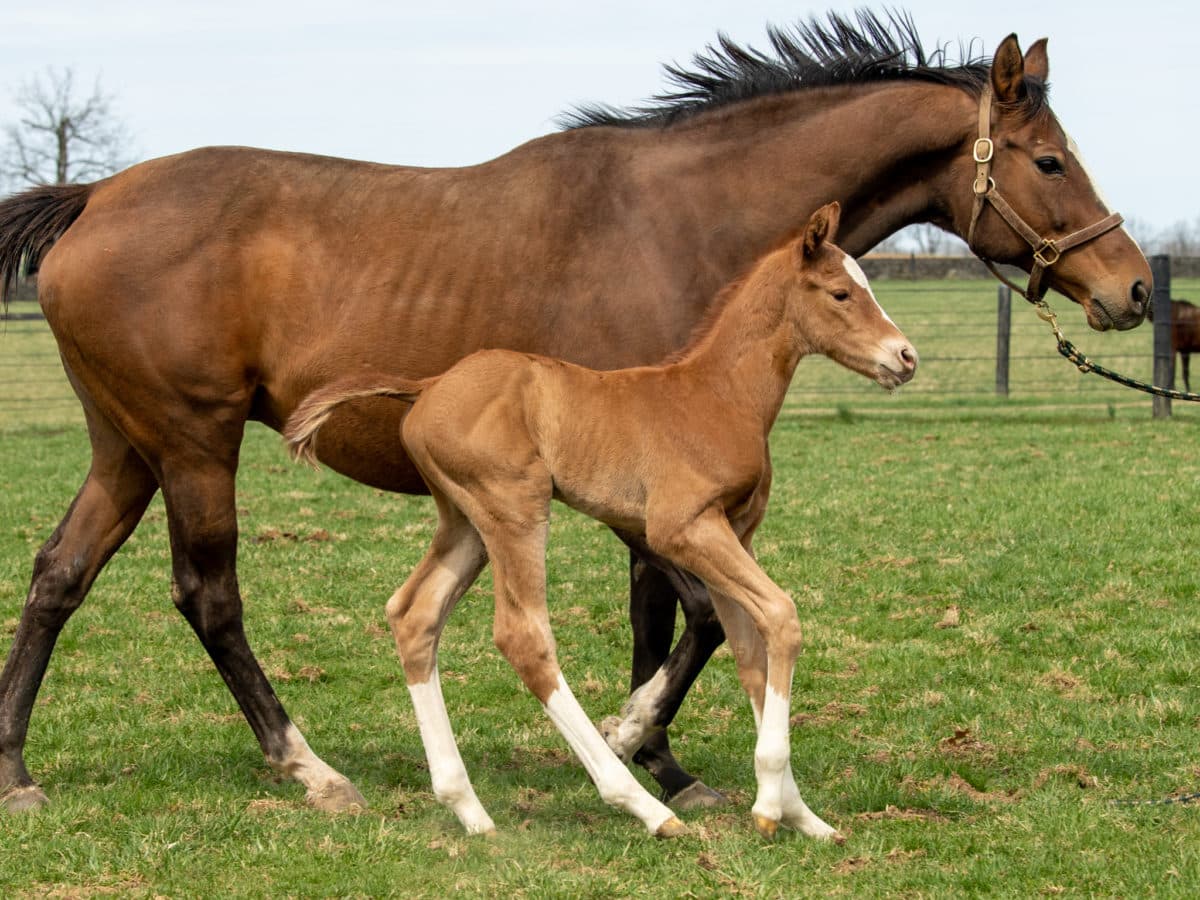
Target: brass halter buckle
1047	247
984	150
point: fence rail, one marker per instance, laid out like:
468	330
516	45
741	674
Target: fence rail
978	350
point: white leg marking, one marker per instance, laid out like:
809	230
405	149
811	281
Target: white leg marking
772	756
327	788
451	784
778	796
627	733
616	784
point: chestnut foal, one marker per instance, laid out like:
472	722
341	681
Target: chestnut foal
675	453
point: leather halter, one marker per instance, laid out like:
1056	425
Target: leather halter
1046	251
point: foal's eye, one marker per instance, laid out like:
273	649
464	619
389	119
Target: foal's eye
841	295
1049	165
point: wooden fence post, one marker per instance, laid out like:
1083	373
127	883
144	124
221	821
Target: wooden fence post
1164	358
1003	335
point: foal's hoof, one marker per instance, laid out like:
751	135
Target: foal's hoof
23	799
339	797
671	828
765	827
697	795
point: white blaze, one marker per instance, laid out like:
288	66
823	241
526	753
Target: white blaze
854	270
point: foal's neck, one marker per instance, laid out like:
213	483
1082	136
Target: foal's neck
749	352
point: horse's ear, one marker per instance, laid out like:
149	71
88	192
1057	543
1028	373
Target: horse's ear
822	226
1008	71
1037	62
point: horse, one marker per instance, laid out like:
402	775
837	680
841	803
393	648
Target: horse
191	294
1185	333
675	453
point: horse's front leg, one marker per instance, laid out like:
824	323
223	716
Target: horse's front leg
764	632
660	679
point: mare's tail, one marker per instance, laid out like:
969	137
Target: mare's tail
314	411
30	223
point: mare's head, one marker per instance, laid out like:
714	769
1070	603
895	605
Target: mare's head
1039	173
838	315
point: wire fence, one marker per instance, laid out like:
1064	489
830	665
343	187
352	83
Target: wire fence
953	325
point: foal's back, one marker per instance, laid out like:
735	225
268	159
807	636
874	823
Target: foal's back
587	437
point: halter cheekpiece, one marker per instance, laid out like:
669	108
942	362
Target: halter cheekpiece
1046	251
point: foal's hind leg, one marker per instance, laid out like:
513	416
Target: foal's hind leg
522	633
104	513
201	514
417	613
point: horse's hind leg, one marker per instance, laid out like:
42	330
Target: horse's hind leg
201	515
417	613
1184	358
522	633
104	513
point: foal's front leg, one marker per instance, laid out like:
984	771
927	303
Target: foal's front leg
763	629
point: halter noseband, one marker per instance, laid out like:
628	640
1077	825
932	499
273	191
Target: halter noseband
1046	251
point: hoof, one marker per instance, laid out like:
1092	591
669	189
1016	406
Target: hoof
765	827
23	799
697	795
342	797
671	828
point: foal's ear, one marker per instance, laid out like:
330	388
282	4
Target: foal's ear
1008	71
1037	62
822	227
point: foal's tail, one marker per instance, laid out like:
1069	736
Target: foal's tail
30	223
314	411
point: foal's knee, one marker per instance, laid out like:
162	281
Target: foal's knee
783	631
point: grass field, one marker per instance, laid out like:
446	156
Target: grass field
1000	608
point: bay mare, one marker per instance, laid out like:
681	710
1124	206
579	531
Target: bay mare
193	293
676	454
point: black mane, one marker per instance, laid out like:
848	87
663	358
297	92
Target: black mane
814	54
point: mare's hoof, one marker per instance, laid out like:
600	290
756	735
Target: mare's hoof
340	797
697	795
671	828
765	827
23	799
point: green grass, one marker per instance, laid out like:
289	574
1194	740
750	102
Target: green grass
981	758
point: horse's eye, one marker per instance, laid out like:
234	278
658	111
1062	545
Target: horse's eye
1048	165
841	295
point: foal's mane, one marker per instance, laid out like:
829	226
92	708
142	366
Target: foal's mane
813	54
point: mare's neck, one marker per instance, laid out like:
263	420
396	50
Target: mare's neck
738	181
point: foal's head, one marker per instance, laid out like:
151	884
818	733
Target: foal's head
838	315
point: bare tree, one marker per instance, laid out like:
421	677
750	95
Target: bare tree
61	137
1182	238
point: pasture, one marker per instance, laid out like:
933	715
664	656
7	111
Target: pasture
999	606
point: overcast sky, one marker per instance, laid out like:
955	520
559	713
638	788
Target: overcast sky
451	82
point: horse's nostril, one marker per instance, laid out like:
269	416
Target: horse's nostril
908	357
1140	293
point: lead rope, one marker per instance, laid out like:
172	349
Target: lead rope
1085	365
